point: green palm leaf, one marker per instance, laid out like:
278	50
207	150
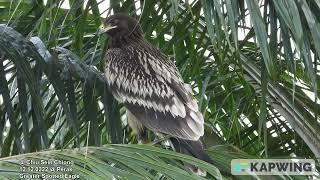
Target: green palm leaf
253	66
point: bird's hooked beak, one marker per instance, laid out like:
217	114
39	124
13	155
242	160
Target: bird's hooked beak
106	27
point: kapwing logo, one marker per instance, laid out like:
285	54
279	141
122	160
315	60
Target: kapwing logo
242	167
273	166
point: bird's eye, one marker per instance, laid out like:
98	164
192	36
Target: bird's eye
114	21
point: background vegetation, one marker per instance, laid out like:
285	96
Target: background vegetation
253	66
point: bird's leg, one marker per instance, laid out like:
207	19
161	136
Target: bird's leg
142	136
137	128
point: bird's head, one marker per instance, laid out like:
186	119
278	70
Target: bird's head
122	26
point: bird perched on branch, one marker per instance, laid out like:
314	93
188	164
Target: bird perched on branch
148	84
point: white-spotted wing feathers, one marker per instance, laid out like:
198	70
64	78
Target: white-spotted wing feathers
153	90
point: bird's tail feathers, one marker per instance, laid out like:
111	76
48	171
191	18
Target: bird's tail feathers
193	148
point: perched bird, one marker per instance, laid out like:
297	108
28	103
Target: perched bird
148	84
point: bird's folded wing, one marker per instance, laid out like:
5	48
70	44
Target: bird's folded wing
154	92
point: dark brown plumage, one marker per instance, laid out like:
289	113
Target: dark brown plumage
148	84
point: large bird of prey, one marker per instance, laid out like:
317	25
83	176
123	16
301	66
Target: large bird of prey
148	84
